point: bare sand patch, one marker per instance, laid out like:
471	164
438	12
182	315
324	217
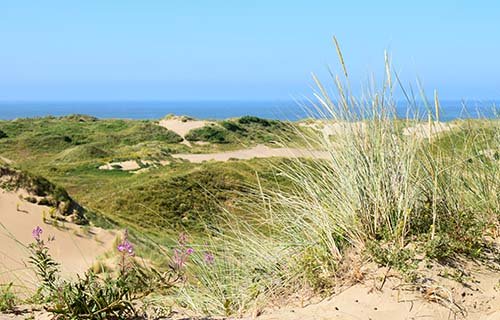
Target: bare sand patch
427	130
394	299
182	126
75	247
128	165
334	128
136	166
259	151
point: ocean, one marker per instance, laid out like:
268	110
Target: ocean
278	109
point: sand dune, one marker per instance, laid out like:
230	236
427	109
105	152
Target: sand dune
259	151
182	126
75	247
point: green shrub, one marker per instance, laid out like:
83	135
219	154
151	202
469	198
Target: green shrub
79	118
255	120
208	133
148	131
232	126
3	134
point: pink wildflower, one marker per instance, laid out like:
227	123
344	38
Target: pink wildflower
125	246
36	233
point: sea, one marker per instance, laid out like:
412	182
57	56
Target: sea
272	109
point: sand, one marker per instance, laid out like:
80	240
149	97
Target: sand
133	165
75	247
441	299
182	126
425	131
259	151
421	130
329	128
128	165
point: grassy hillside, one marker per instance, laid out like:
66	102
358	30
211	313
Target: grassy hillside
69	150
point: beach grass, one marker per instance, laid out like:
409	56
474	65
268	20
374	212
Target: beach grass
385	195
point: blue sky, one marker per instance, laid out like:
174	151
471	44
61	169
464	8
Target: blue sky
257	50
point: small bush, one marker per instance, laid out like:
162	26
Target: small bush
232	126
256	120
212	134
3	134
148	131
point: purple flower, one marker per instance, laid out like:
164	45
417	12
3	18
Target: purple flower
126	247
209	258
36	233
190	251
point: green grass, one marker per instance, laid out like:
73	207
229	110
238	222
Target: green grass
7	298
246	130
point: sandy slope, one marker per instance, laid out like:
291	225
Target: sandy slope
177	125
440	298
259	151
74	247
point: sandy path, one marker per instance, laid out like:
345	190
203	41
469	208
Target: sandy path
259	151
73	247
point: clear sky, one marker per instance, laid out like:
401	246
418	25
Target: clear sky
258	50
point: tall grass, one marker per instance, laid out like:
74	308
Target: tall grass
382	186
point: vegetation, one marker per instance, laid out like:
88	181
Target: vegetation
210	133
111	296
7	298
383	195
48	193
262	228
246	130
69	150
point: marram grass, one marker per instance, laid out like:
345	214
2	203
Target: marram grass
379	188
